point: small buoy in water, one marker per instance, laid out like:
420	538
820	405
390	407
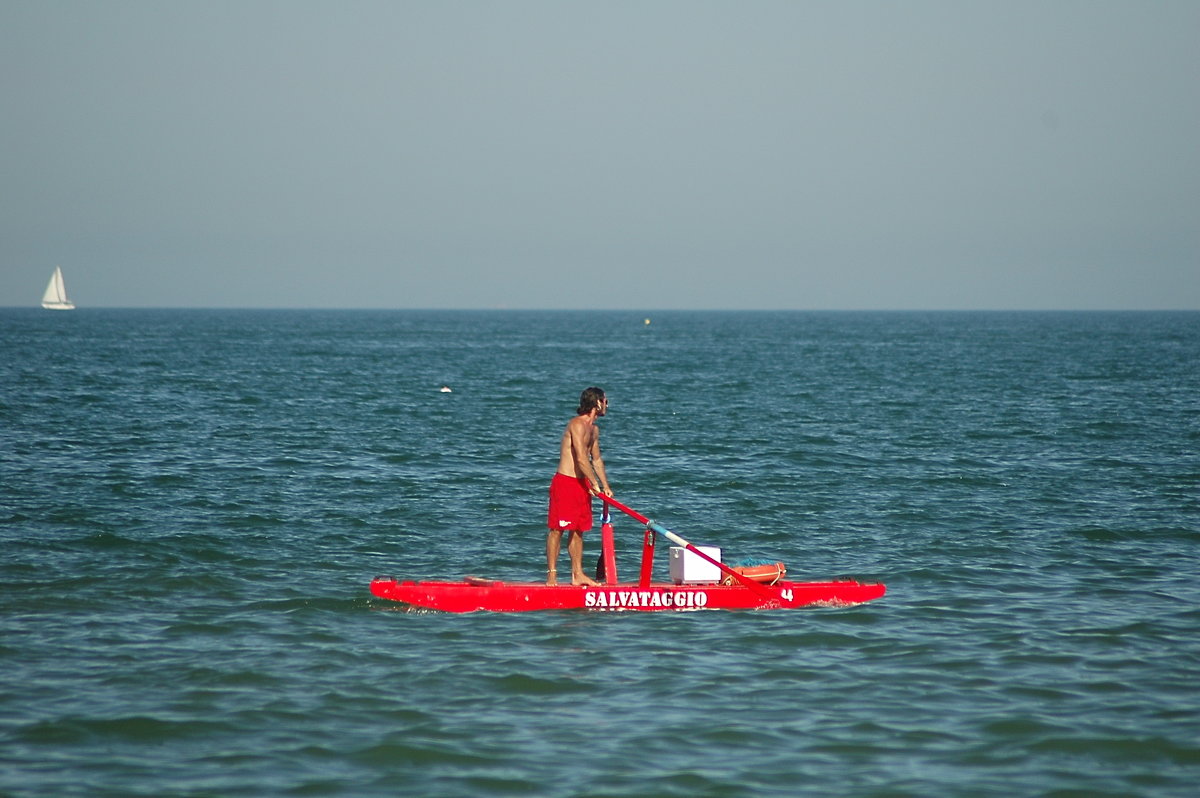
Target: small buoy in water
647	321
446	389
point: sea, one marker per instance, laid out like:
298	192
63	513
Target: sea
194	502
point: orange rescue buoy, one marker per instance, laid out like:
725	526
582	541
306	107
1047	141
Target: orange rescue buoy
768	573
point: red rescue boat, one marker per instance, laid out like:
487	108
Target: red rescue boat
733	588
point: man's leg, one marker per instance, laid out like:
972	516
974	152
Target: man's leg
553	543
575	549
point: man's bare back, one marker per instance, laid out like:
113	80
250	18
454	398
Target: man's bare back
580	439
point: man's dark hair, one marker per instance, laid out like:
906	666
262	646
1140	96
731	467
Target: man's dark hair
591	397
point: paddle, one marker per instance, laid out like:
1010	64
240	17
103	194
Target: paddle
750	583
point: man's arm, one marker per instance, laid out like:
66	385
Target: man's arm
598	465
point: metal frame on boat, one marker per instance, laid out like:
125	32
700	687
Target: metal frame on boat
736	590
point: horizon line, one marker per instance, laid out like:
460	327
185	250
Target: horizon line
464	309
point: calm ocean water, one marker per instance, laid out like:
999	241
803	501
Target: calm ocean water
192	504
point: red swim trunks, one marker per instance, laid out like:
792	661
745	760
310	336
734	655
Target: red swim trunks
570	504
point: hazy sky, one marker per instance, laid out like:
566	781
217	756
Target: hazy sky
642	155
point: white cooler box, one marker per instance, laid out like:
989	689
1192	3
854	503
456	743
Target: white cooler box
688	568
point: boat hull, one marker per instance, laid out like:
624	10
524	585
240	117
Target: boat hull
475	595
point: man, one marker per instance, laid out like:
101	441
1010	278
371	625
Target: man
580	476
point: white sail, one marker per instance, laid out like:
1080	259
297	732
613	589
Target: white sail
55	297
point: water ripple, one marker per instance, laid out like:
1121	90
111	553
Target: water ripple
190	511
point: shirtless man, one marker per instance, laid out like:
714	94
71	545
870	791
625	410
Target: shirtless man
580	476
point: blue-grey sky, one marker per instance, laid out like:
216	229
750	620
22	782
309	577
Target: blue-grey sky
642	155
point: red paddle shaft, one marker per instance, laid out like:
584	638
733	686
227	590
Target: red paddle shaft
750	583
633	513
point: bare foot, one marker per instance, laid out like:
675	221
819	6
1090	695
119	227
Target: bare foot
552	577
583	579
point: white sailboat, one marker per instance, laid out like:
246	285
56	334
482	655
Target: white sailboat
55	297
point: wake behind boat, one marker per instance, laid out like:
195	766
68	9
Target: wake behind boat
55	297
709	585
